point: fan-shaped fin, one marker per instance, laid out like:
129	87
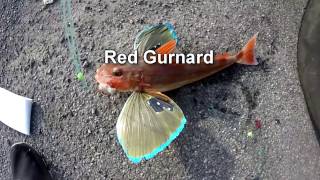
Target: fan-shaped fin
147	125
153	37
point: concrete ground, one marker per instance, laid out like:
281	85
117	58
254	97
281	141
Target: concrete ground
74	128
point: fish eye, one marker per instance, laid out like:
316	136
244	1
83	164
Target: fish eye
117	72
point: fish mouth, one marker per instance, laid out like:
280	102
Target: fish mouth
107	89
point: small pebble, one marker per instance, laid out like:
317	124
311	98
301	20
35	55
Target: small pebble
93	111
9	142
47	2
101	130
85	64
258	124
49	71
250	134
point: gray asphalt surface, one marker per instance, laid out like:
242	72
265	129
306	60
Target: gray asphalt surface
75	128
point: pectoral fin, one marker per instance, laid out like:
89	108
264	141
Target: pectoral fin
155	36
147	125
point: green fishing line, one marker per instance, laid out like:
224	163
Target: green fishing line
71	40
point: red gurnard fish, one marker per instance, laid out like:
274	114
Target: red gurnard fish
150	120
151	78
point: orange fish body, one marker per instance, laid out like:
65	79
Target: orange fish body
165	77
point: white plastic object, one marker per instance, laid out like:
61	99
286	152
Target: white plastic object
15	111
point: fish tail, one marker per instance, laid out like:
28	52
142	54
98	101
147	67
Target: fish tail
247	55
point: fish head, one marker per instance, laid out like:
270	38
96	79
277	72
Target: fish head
114	77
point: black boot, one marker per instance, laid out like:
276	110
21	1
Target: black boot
27	164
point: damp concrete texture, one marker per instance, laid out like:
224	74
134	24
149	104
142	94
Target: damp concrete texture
74	128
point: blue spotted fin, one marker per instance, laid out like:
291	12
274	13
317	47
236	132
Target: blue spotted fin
153	37
147	125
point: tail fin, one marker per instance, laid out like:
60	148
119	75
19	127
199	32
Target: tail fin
247	55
